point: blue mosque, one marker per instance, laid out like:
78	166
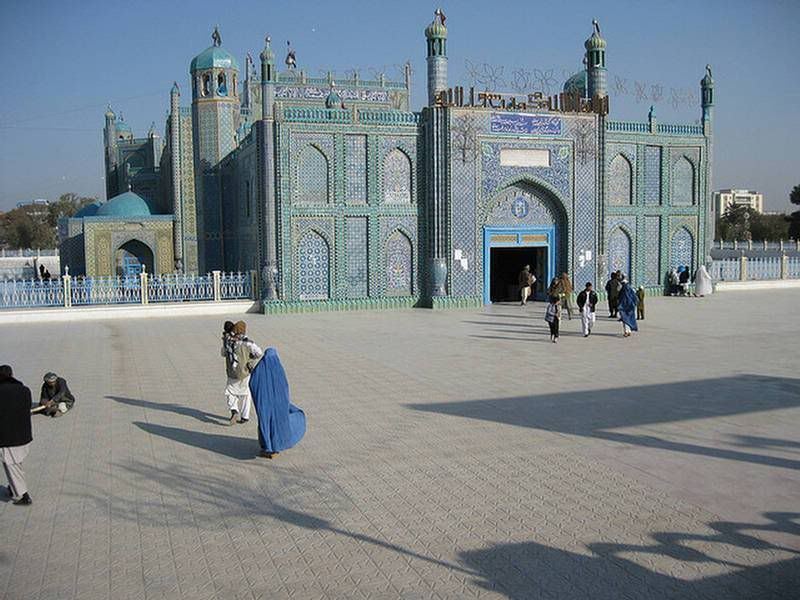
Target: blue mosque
339	196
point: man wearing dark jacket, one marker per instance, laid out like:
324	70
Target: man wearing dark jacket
587	303
15	432
55	396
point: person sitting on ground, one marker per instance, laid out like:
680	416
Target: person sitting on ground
55	396
674	281
684	281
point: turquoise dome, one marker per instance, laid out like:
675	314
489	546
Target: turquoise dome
126	204
122	126
436	30
595	42
214	57
89	210
576	83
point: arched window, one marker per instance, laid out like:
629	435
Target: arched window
206	86
132	257
399	265
313	267
312	176
681	249
222	86
683	182
396	178
619	252
619	181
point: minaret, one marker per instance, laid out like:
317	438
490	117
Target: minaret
266	132
215	118
596	63
175	164
707	98
111	156
436	34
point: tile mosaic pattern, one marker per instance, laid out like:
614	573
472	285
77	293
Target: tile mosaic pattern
652	175
357	257
681	249
313	259
652	245
619	185
356	169
682	192
312	176
619	251
399	265
586	201
397	178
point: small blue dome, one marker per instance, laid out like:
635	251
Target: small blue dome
89	210
126	204
122	126
214	57
576	83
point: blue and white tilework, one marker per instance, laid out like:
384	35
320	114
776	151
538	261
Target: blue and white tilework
619	251
652	175
683	182
584	215
396	178
312	176
357	254
619	181
681	248
399	265
313	260
356	169
652	250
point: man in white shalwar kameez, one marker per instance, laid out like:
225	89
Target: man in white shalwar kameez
702	282
238	356
587	303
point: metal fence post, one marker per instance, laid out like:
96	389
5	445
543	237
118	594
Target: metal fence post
217	288
143	283
67	290
743	269
254	284
784	266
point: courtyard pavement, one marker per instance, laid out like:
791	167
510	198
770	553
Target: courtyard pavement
453	454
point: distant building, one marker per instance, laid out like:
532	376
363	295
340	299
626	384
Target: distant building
36	208
725	198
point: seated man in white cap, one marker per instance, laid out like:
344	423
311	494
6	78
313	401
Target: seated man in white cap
55	396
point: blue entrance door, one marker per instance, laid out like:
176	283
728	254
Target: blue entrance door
503	259
131	266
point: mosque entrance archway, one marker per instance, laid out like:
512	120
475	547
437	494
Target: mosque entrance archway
132	258
506	251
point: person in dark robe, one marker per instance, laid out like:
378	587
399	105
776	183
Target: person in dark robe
15	433
281	424
626	306
55	397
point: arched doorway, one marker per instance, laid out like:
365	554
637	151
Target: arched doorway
132	257
525	224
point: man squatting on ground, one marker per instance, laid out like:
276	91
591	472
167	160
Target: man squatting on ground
15	433
55	396
239	352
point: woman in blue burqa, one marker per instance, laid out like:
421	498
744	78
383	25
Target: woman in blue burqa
627	308
281	424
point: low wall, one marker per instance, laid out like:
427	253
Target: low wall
755	284
129	311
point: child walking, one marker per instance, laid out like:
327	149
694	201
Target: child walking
553	316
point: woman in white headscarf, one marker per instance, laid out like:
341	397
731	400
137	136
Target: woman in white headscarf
702	282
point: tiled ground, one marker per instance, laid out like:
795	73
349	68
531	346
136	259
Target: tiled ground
448	455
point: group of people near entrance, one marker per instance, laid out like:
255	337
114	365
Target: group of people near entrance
679	279
623	304
16	408
257	377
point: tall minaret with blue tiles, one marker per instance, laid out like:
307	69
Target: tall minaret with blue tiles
215	118
596	63
436	34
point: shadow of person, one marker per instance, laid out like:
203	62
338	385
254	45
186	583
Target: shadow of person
178	409
226	445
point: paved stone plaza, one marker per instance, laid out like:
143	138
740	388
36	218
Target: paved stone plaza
448	455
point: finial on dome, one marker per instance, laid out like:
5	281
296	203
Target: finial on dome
596	25
216	38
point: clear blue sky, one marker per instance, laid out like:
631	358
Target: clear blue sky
64	61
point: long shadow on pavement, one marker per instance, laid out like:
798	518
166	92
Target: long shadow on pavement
596	413
227	445
180	409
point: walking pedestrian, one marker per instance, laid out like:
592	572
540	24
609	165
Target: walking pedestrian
281	424
566	294
613	286
526	279
15	433
627	308
553	315
240	354
587	303
640	306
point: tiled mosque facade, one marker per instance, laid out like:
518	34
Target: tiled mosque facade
339	196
